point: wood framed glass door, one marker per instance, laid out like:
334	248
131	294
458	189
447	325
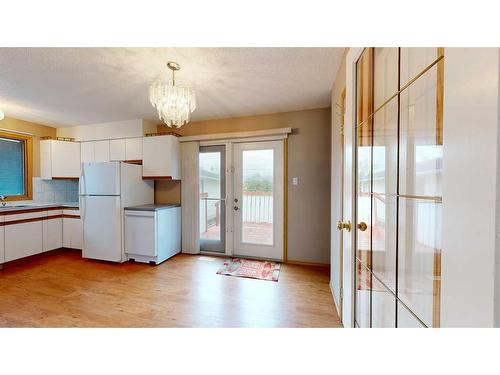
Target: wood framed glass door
398	187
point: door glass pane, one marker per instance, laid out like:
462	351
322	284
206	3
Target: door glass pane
384	240
384	185
406	319
383	306
414	61
257	207
419	257
421	152
212	192
363	288
364	142
385	75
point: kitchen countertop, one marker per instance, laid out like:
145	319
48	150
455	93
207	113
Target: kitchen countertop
35	206
152	207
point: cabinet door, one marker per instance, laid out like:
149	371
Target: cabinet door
140	233
161	157
72	233
52	233
133	149
87	152
46	159
22	240
117	150
101	151
65	159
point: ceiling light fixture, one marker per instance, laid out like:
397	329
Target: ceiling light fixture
174	103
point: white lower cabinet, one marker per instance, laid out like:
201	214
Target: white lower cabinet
52	231
29	233
23	240
152	233
72	232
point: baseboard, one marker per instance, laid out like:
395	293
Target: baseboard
313	264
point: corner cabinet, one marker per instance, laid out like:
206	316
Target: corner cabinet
161	157
59	159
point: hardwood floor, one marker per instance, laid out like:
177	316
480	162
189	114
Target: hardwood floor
64	290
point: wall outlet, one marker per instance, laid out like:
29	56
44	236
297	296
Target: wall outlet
295	181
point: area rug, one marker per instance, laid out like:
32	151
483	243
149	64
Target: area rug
253	269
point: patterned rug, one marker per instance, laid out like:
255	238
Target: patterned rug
254	269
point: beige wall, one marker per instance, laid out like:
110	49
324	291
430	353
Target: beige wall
33	128
308	159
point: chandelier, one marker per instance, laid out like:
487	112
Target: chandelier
173	103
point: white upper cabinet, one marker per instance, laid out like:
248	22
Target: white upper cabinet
59	159
87	152
101	151
96	151
133	148
125	149
161	157
117	150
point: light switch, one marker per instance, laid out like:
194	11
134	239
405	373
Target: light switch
295	181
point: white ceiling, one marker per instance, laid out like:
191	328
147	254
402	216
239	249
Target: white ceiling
80	86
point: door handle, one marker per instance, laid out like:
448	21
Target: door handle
362	226
344	225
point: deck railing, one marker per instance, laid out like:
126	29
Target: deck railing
257	207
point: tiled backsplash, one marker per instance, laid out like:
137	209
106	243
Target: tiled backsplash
54	191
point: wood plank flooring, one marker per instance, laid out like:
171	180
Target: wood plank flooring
64	290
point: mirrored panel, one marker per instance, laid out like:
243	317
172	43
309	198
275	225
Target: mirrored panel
414	60
362	303
421	150
383	306
385	75
419	255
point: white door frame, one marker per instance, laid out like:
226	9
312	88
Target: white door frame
256	136
349	244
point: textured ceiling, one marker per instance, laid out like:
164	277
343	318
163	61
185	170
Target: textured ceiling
79	86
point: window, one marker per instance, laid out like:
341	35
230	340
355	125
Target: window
15	166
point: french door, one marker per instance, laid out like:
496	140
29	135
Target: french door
257	201
399	149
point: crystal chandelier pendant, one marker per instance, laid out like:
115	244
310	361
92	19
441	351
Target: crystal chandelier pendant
174	103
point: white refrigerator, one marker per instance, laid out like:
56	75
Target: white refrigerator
105	189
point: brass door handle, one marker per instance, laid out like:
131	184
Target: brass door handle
362	226
344	225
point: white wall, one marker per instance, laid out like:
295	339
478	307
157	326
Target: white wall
108	130
470	190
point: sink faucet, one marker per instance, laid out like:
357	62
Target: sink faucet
2	199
